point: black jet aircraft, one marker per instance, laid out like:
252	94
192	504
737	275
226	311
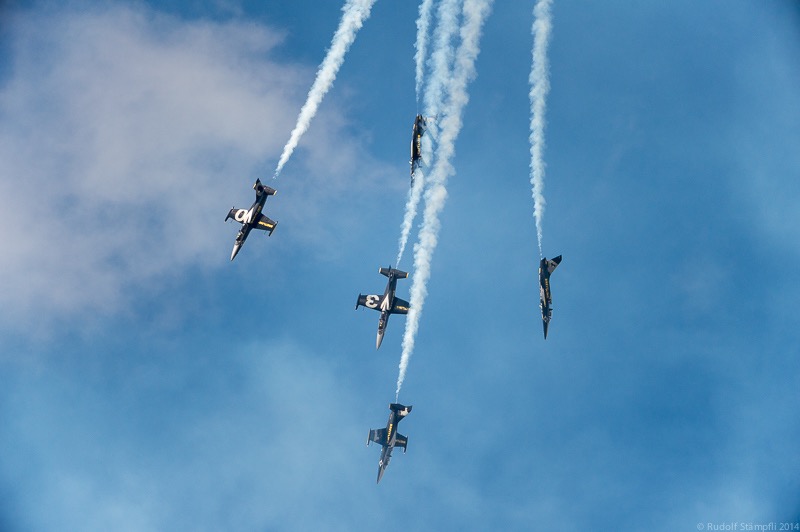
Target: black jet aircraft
420	125
388	303
252	218
389	438
546	268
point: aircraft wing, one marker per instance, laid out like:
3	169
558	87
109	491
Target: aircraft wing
378	436
401	441
231	214
265	224
400	306
370	301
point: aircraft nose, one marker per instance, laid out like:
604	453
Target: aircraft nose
236	248
378	340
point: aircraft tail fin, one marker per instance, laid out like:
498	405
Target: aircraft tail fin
391	271
402	410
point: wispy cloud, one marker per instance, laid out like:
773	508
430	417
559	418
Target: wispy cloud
122	133
150	468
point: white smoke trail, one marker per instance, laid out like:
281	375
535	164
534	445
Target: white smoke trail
423	24
475	13
414	195
439	63
540	85
441	57
355	12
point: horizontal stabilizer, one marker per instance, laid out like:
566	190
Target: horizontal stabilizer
553	263
393	272
263	189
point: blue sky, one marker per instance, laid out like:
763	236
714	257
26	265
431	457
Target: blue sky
150	384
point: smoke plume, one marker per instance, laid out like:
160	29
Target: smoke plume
451	100
355	12
540	85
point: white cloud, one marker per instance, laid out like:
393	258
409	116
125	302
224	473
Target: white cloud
125	136
264	438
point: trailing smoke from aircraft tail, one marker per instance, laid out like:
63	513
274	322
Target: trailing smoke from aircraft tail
414	195
355	12
441	58
540	85
423	25
475	13
439	63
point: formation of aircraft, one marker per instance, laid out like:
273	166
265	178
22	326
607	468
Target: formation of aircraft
546	268
252	218
420	125
389	438
388	303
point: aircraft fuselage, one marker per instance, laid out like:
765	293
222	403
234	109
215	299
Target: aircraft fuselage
387	304
388	438
546	268
252	218
420	125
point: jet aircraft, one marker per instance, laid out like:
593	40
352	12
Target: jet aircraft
252	218
388	303
546	268
389	438
420	125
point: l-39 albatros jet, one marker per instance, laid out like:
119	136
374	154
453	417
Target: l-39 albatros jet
546	267
252	218
389	438
420	125
387	304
